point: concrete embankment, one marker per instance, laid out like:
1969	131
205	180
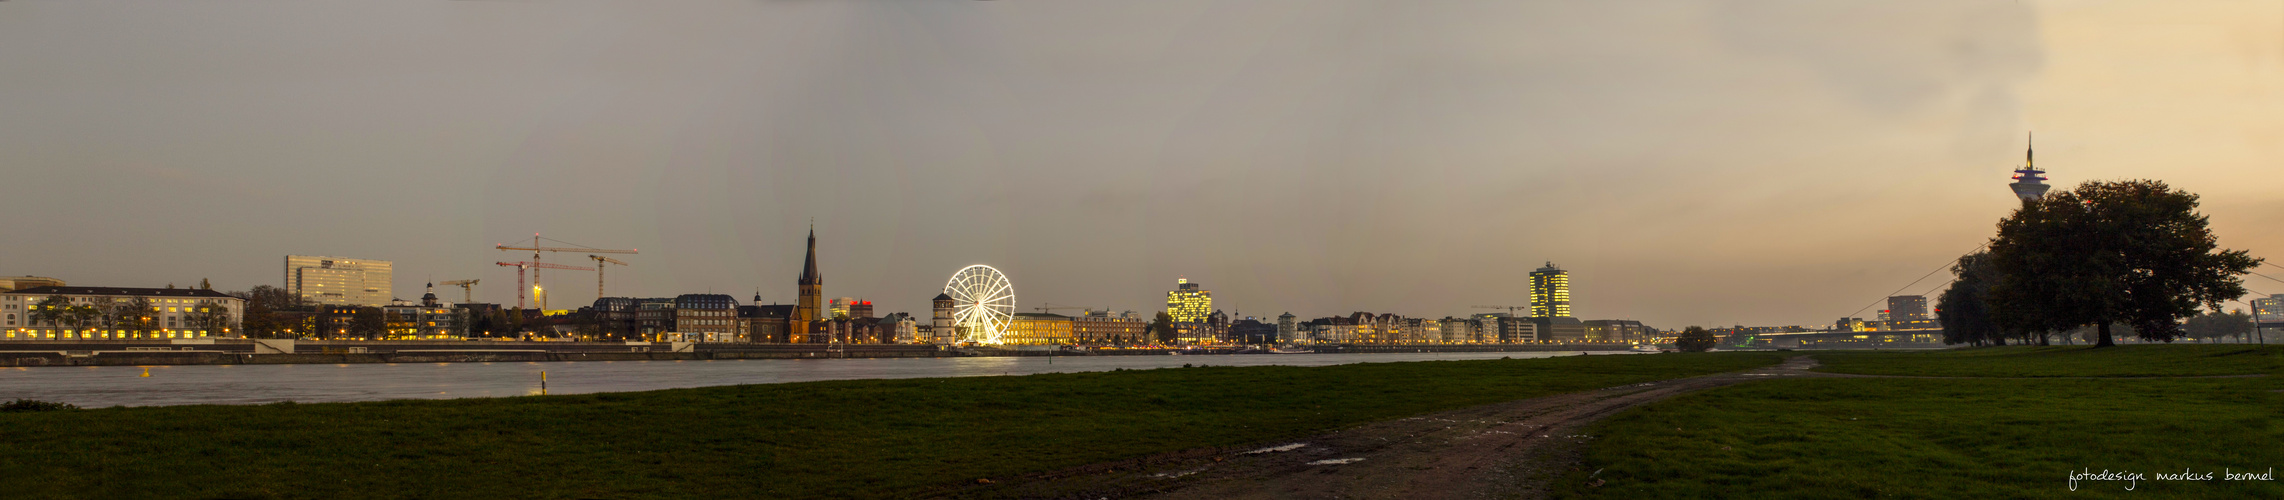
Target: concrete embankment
265	351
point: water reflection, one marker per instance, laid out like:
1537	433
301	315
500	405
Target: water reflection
100	386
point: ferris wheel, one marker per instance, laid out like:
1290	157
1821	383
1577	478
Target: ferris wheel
983	301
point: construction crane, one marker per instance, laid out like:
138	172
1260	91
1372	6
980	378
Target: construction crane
1049	308
467	289
535	249
1510	309
599	265
534	267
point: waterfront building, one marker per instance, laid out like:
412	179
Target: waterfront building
858	309
1550	292
704	317
766	324
23	282
812	292
902	329
1617	330
1907	312
336	280
1039	329
428	320
940	327
1460	330
172	313
1102	327
654	318
1517	329
1252	331
1187	303
1560	329
615	316
2268	310
2029	182
1287	331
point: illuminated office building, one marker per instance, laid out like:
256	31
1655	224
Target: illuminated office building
339	281
1550	292
1187	303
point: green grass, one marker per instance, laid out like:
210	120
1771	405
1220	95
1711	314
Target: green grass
1982	436
1939	438
2061	361
874	438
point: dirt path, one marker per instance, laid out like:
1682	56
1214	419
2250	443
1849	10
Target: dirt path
1490	451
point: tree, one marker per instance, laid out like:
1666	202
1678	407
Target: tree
270	312
2219	324
50	310
1695	339
81	316
204	285
2132	252
135	316
1162	327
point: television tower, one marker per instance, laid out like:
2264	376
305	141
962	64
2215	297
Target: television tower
2029	182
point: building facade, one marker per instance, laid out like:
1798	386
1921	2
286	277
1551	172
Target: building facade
704	317
1189	304
81	312
428	320
23	282
1907	312
1550	292
341	281
1102	327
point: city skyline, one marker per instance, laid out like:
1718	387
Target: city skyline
1699	163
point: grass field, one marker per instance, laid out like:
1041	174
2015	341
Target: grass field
2140	360
1953	438
874	438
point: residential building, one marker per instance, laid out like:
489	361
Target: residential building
1560	329
1550	292
1102	327
174	313
1517	329
1617	330
766	324
428	320
705	317
1187	303
1252	331
336	280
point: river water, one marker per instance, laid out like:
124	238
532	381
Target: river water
101	386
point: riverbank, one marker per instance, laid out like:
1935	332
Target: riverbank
869	438
257	352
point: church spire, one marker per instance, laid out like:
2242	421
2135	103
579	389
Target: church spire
809	274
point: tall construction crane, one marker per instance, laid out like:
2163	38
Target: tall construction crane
599	266
534	267
467	289
535	249
1049	308
1510	309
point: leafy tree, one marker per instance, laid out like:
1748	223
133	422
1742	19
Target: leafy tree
50	310
1162	327
81	316
2132	252
204	285
2219	325
135	316
1964	317
1695	339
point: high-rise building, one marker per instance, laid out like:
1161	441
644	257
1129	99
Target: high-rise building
339	281
1187	303
1907	312
810	310
2029	182
1550	292
2268	310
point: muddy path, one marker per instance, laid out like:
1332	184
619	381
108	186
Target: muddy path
1502	450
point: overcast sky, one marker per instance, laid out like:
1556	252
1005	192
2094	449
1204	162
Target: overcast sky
1746	162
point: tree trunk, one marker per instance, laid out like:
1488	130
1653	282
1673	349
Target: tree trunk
2042	340
2104	331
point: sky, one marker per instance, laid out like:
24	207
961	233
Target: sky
1778	162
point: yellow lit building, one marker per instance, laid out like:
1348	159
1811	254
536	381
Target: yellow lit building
1039	329
118	313
1187	303
1550	292
339	281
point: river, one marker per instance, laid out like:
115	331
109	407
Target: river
102	386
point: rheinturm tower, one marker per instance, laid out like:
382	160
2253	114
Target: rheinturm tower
812	290
2029	182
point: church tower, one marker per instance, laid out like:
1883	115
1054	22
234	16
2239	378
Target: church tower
812	291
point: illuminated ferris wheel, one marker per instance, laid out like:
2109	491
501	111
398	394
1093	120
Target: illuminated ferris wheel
983	302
